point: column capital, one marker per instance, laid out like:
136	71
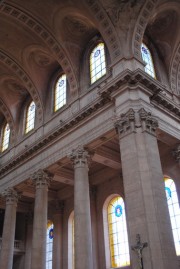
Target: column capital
133	121
11	195
176	153
41	178
79	156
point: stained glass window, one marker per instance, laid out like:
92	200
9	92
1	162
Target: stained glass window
97	63
30	117
147	58
5	137
118	238
49	244
174	211
60	93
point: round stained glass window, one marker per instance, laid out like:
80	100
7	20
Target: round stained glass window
51	233
118	211
96	54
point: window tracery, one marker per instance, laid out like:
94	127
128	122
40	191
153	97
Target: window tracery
147	58
5	137
118	238
30	117
97	63
60	93
174	211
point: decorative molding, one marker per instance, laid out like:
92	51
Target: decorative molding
16	69
133	120
43	33
141	24
131	79
11	195
175	72
176	153
41	178
107	28
79	157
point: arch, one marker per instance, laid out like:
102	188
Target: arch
106	28
37	27
30	117
49	244
175	72
5	111
174	211
140	26
114	209
71	241
16	69
60	92
97	62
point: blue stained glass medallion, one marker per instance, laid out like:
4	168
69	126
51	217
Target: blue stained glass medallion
51	233
61	83
118	211
96	54
168	192
144	50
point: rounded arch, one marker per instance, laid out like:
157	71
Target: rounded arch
175	72
38	29
108	232
105	27
9	119
140	26
24	78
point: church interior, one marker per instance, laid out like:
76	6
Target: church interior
89	134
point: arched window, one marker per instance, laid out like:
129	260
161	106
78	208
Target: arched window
5	137
71	241
174	211
30	117
49	244
60	93
97	63
118	238
147	58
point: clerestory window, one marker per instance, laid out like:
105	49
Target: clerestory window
5	137
30	117
147	58
60	92
97	63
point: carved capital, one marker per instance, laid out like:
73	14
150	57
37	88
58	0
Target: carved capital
136	120
126	123
148	122
41	178
176	153
11	195
79	157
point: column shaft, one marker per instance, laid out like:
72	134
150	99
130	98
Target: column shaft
38	254
8	236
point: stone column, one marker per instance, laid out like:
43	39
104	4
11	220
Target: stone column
28	246
82	217
58	237
8	236
146	205
38	253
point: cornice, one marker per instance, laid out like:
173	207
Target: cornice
106	91
51	137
